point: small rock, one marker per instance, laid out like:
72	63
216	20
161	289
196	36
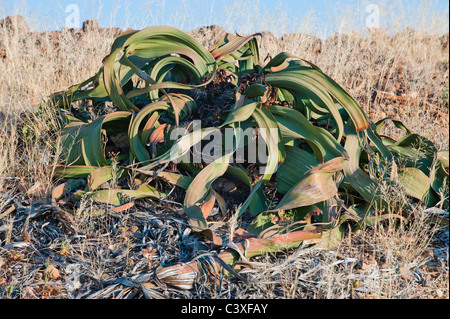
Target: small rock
208	35
428	253
15	25
406	273
38	276
317	46
52	272
91	26
29	293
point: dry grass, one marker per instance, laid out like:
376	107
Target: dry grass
114	255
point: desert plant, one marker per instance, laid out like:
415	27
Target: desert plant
325	158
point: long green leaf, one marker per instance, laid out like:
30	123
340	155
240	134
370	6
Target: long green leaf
305	79
294	125
276	154
199	189
296	164
137	148
121	196
92	144
71	136
74	171
317	185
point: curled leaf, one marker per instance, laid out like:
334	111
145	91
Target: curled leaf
317	185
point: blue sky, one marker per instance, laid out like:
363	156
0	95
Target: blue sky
320	16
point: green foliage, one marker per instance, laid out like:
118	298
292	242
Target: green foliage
156	78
